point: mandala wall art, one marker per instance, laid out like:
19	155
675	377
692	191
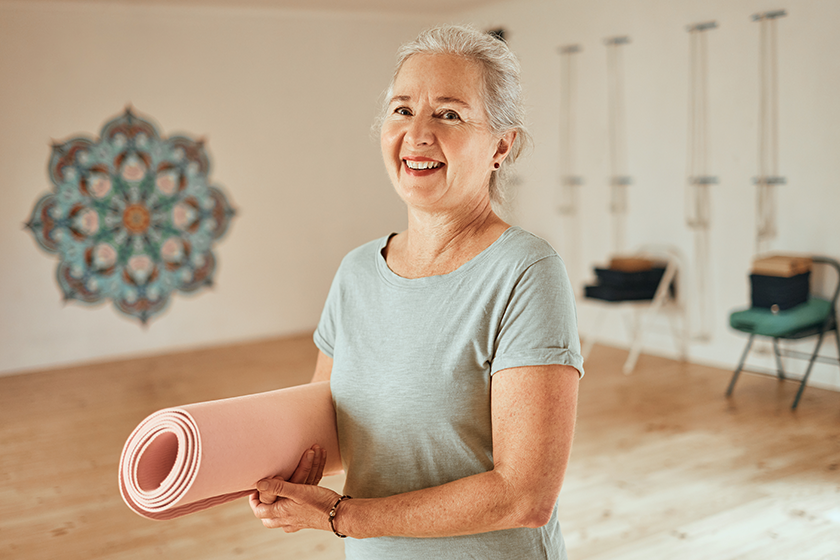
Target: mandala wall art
132	216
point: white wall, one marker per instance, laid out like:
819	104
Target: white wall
656	84
285	100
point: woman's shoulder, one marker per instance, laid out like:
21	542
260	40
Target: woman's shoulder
520	245
369	247
364	256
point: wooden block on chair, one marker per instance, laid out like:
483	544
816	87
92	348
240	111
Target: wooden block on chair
631	264
781	265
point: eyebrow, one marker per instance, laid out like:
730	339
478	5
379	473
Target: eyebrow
442	99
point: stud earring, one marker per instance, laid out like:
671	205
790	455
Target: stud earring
496	165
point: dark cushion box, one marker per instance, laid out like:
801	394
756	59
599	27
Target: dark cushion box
768	291
617	285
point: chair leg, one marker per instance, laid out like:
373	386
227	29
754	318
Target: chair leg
635	342
808	371
837	339
740	366
680	334
659	299
780	371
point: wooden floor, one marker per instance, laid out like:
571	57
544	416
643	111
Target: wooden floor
663	466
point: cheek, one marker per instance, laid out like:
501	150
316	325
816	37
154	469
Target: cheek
389	142
390	155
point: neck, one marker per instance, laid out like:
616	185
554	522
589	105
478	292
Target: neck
439	243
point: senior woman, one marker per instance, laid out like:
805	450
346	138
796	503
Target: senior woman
451	348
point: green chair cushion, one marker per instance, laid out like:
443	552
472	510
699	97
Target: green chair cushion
761	321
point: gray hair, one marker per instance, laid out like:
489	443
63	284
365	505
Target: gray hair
502	91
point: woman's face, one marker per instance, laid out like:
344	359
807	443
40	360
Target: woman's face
436	144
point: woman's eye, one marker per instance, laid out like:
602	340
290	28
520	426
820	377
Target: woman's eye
404	111
450	116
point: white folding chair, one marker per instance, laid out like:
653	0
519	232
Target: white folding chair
664	299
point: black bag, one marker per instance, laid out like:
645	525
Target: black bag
618	285
783	292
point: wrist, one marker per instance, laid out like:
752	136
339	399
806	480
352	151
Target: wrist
333	515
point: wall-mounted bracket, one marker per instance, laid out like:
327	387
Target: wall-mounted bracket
769	15
623	40
703	180
770	180
702	26
569	49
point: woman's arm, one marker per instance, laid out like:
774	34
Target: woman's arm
533	415
323	368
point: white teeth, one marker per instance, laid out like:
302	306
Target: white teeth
419	165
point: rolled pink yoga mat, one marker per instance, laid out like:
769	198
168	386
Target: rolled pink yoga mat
189	458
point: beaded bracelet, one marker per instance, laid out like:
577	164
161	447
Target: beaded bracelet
332	517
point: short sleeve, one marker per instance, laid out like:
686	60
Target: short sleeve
325	333
539	324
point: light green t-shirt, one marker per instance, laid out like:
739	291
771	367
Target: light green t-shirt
411	375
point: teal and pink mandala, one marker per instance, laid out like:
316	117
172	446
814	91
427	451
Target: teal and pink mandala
132	217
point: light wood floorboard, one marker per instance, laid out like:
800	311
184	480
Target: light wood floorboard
663	465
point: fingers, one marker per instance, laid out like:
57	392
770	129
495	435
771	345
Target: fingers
269	489
298	503
268	515
304	467
310	469
257	505
318	466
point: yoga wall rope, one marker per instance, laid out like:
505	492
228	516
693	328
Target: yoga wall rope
768	131
567	202
697	195
619	179
567	195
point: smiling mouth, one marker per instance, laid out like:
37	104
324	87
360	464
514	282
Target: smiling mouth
422	165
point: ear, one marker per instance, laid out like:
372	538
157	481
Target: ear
504	146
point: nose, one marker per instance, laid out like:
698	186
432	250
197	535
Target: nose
419	132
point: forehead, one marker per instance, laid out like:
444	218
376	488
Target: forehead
440	76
